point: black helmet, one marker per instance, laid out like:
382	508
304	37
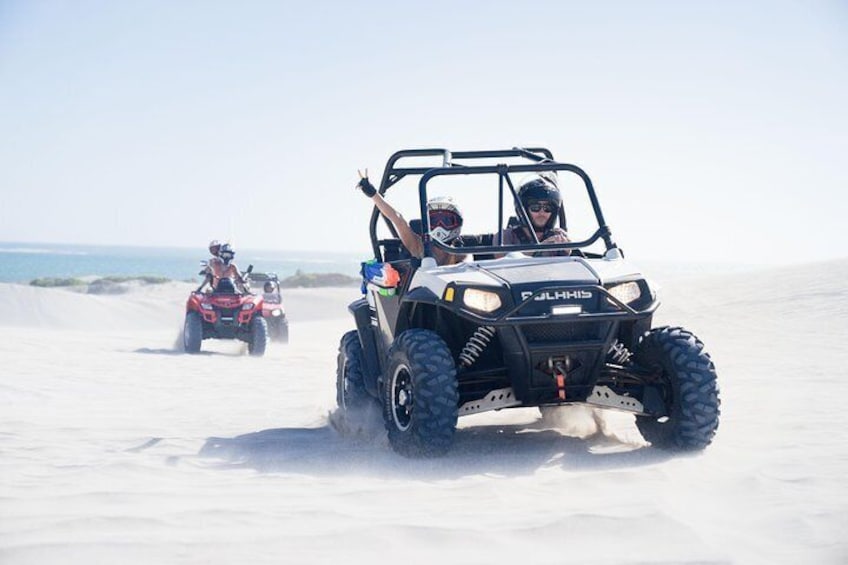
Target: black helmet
541	188
226	253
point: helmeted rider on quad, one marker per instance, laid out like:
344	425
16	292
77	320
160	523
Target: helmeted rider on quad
221	266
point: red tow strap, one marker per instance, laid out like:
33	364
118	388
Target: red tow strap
560	382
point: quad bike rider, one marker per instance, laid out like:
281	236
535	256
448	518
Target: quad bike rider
221	266
515	325
222	307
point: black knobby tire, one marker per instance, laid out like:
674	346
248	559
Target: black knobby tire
258	336
350	377
192	332
689	388
283	333
278	329
420	395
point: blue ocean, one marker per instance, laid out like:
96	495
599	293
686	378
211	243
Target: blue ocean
23	262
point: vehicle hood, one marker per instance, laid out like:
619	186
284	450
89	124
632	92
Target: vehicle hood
539	271
525	272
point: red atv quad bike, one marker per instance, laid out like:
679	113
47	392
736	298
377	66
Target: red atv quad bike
225	313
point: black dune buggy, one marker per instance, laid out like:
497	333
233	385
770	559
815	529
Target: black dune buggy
510	327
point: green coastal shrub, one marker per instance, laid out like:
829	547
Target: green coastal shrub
50	282
147	279
313	280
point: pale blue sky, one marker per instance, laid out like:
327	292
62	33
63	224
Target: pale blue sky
713	131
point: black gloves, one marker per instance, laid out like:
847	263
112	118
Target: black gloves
365	185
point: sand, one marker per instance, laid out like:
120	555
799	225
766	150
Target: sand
116	447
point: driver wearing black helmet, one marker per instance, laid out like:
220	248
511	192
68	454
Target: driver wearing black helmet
541	199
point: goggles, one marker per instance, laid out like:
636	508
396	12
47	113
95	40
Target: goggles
541	207
444	219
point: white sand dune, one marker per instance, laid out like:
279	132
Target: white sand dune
116	448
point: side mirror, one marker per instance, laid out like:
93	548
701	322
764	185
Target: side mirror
249	269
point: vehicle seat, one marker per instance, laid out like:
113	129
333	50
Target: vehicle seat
225	286
393	250
484	239
416	226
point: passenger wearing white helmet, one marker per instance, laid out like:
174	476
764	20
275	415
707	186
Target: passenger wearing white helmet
214	248
221	266
445	223
215	263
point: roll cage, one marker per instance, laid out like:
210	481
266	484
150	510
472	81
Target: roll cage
533	159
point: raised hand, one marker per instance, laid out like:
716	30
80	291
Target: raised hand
365	185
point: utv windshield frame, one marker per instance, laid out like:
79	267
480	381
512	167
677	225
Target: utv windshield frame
535	159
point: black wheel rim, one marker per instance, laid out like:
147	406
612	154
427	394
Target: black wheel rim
662	380
402	400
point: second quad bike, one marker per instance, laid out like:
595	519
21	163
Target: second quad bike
515	326
272	305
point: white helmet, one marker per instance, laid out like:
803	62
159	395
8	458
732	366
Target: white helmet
214	247
445	219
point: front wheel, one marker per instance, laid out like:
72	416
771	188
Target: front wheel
350	377
687	385
420	395
192	332
283	331
258	336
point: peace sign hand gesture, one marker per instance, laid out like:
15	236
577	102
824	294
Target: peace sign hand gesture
365	185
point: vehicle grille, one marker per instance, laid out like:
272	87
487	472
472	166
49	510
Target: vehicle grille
553	333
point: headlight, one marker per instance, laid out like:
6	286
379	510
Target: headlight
276	312
481	300
626	292
206	306
247	306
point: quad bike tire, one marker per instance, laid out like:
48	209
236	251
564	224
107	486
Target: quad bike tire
420	395
258	336
689	390
350	378
192	332
278	330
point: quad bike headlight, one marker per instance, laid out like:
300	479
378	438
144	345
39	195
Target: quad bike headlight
481	300
247	306
276	312
206	306
628	292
